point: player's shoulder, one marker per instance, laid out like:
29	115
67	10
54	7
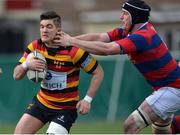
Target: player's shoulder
36	43
76	51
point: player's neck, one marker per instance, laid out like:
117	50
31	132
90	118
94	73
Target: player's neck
138	26
50	45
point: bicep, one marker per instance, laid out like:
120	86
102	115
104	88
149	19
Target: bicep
98	70
104	37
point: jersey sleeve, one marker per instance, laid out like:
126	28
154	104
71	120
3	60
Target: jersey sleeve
29	49
116	34
133	43
86	61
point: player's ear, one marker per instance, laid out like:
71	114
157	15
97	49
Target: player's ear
59	29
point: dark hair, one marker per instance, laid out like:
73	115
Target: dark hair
51	15
138	9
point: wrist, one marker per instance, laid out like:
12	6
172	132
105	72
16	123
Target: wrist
71	41
24	65
88	99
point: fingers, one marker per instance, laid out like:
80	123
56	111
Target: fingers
83	106
40	66
62	39
36	64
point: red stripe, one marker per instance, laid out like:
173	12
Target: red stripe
73	52
156	88
162	72
60	107
25	54
59	68
175	84
114	35
62	95
72	79
127	45
145	34
38	46
45	100
63	52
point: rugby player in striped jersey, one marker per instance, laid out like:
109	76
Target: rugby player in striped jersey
58	98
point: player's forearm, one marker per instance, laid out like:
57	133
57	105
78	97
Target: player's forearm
94	47
89	37
96	80
103	37
19	72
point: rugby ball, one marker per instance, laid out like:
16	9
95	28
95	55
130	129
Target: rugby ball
34	75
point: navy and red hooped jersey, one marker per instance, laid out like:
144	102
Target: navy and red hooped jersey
59	90
150	55
175	125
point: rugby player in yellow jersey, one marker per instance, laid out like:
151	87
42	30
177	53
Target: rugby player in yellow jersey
57	100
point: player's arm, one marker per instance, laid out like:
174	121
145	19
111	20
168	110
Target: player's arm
103	37
97	77
32	64
19	72
94	47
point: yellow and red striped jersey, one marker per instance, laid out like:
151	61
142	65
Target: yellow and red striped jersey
59	90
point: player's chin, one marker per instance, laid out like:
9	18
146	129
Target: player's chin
45	40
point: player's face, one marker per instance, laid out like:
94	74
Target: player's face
47	30
126	20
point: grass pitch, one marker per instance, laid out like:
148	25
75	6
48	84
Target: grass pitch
99	127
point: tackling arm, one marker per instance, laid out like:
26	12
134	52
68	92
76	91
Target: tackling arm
103	37
94	47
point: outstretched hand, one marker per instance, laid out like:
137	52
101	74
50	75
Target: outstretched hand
62	39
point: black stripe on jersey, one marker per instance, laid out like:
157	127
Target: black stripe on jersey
27	50
82	59
65	63
70	103
75	73
67	90
94	67
40	41
18	63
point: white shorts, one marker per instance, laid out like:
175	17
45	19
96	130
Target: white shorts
165	102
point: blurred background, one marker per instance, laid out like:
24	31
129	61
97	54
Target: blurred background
123	88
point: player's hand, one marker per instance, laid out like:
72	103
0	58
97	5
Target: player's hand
36	64
83	106
62	39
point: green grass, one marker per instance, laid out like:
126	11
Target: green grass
82	128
